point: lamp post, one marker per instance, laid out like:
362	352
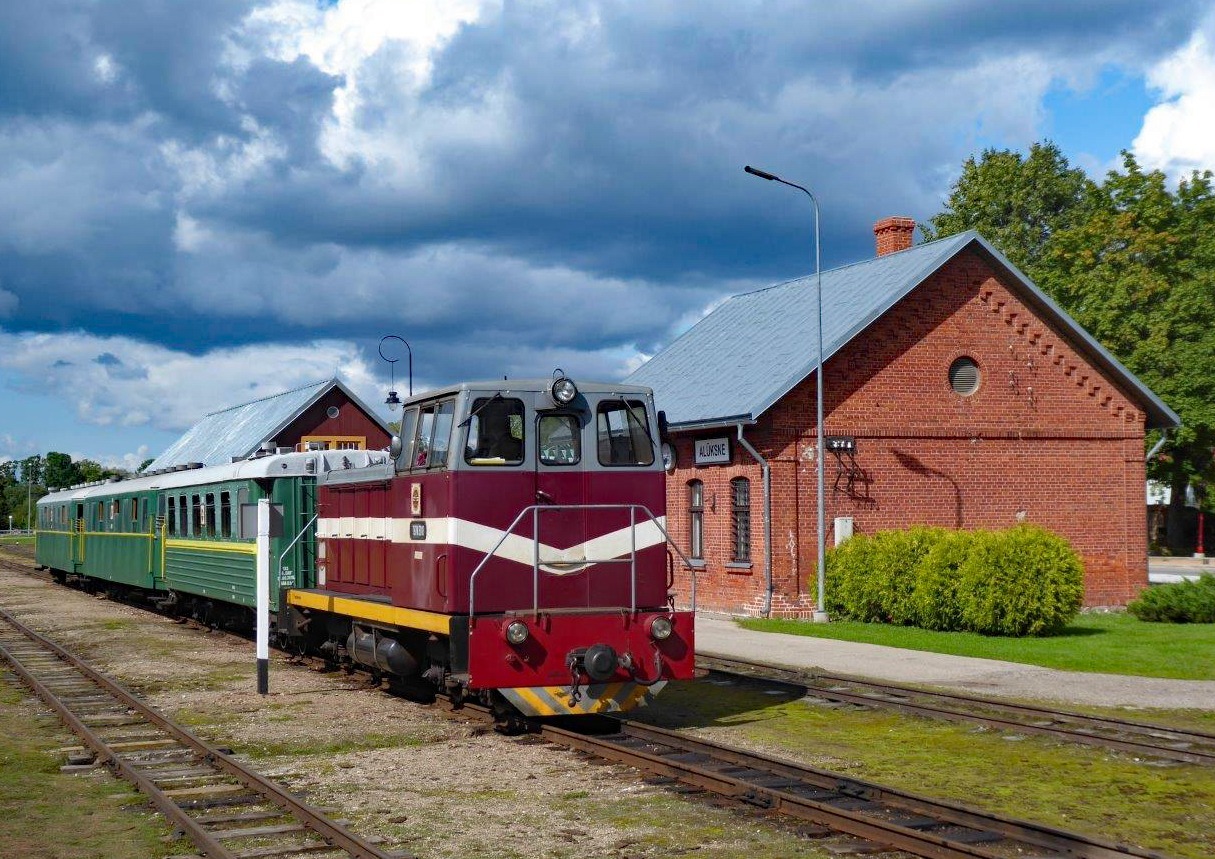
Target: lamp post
820	613
394	402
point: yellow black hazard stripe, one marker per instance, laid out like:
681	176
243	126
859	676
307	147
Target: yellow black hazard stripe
596	698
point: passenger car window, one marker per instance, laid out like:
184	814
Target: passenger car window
495	432
560	440
624	433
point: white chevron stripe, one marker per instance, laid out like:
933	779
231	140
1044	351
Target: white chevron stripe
453	531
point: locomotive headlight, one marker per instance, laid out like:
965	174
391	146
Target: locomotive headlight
563	391
517	632
661	628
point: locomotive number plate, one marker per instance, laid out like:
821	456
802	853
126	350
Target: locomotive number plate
417	530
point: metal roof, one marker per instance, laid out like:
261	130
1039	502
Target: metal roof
738	361
239	431
317	463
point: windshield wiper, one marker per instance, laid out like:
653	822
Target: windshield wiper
643	424
479	409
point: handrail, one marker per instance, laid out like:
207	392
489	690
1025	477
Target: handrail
536	509
282	556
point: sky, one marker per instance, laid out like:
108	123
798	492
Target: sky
204	203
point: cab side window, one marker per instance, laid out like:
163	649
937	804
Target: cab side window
624	433
434	435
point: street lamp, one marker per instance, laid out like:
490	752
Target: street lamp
394	402
820	613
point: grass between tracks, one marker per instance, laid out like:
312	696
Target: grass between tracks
1113	643
1113	796
45	814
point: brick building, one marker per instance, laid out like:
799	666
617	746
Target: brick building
957	394
321	416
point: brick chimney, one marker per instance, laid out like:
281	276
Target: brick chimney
893	234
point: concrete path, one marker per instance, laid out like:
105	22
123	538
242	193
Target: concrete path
719	636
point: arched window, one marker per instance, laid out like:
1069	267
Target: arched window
740	519
696	519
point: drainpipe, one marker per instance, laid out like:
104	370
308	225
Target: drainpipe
1164	436
767	475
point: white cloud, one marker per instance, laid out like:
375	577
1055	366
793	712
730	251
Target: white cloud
1178	135
125	382
354	39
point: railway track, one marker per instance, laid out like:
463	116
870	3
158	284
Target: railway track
851	816
226	809
857	817
1138	738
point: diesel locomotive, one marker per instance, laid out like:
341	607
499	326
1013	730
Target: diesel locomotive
509	547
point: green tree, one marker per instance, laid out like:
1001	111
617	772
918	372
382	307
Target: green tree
1132	260
143	466
1016	202
32	468
60	470
1139	274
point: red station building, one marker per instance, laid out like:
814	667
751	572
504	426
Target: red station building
956	394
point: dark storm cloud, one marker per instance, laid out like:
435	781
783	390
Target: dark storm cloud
568	176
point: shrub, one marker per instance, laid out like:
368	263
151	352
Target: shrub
894	563
935	599
1023	581
850	592
1183	602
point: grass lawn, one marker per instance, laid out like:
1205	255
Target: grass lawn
23	540
1108	643
1110	795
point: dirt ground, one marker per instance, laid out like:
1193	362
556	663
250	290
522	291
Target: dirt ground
398	770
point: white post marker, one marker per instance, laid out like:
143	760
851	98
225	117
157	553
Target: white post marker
263	596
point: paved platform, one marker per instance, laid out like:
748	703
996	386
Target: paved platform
1165	570
720	636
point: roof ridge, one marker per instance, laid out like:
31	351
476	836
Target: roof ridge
270	397
861	262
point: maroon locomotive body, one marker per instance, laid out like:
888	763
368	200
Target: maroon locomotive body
512	549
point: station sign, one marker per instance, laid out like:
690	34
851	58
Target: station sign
713	451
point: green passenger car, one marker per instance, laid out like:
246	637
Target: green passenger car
178	536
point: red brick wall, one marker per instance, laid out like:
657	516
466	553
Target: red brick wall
1045	439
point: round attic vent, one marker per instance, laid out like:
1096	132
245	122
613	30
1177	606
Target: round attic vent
964	376
332	411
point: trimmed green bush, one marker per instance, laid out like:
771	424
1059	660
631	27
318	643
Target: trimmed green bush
894	564
850	590
1023	581
935	598
1183	602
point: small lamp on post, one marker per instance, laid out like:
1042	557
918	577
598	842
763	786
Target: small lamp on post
820	613
393	401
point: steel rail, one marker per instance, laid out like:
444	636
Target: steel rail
1157	740
886	816
311	819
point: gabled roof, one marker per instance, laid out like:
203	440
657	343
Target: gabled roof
239	431
742	358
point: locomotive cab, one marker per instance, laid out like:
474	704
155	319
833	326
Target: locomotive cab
515	551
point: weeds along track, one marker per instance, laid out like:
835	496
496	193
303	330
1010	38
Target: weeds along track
1139	738
227	810
850	816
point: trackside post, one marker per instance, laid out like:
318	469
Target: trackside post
263	596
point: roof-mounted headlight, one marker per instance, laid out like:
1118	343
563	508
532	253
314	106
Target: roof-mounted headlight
563	390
